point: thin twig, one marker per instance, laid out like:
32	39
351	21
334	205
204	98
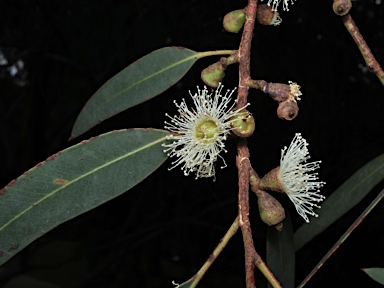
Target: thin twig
267	273
370	60
223	242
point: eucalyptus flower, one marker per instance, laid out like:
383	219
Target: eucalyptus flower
198	133
297	179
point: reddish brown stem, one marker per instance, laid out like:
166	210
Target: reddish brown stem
244	53
370	60
252	258
242	160
243	166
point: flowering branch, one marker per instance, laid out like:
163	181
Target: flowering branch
198	135
252	258
370	60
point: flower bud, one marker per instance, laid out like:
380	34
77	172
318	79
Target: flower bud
341	7
271	211
281	92
266	16
288	110
243	123
213	74
234	21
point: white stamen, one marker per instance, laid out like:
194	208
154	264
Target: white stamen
276	3
195	150
296	178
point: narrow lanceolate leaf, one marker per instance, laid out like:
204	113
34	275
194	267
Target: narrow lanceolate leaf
342	200
142	80
281	254
343	237
376	274
74	181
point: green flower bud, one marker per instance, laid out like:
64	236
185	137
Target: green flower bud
243	123
234	21
213	74
271	211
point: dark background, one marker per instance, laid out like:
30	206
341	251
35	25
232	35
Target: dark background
57	53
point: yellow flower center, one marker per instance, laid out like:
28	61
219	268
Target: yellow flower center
206	131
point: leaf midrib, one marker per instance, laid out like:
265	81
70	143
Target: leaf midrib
359	184
79	178
146	78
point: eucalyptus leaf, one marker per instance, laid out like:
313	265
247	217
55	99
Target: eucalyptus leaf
142	80
376	274
343	238
350	193
281	254
74	181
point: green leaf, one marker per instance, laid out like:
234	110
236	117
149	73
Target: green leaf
344	237
376	274
74	181
342	200
142	80
281	253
